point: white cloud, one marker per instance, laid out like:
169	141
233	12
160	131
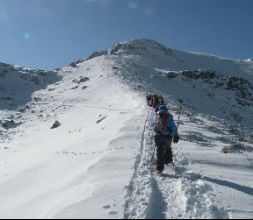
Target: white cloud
90	1
40	9
100	2
3	15
133	5
105	2
149	11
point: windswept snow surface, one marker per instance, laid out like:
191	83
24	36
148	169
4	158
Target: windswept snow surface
98	162
80	169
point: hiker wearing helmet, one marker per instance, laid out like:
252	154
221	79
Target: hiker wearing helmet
166	132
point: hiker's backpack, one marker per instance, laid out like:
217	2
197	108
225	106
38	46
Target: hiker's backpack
163	124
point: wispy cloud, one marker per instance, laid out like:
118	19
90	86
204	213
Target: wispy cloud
133	6
3	16
46	8
33	9
3	12
149	11
99	2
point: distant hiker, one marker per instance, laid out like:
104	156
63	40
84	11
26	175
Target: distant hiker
161	100
149	98
166	132
155	101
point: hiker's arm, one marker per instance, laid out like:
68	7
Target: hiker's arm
173	126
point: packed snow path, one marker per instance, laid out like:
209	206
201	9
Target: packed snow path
177	194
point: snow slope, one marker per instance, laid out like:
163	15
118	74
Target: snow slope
97	163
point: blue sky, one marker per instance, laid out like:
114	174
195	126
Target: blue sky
52	33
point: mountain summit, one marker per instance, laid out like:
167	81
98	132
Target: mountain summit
210	84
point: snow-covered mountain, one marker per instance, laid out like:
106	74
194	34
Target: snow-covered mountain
18	84
96	161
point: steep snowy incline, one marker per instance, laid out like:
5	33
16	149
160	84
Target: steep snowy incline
81	168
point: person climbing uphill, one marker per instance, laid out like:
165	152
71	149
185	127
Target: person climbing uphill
165	132
155	101
149	98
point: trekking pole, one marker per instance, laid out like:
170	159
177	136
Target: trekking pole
179	113
153	153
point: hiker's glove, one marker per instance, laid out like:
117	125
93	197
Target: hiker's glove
176	139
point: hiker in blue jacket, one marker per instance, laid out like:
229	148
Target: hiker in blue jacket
166	132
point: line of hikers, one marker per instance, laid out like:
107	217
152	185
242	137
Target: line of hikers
165	132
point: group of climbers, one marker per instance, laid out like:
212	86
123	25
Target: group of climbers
166	132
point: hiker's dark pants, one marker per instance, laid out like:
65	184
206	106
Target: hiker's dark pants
164	151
